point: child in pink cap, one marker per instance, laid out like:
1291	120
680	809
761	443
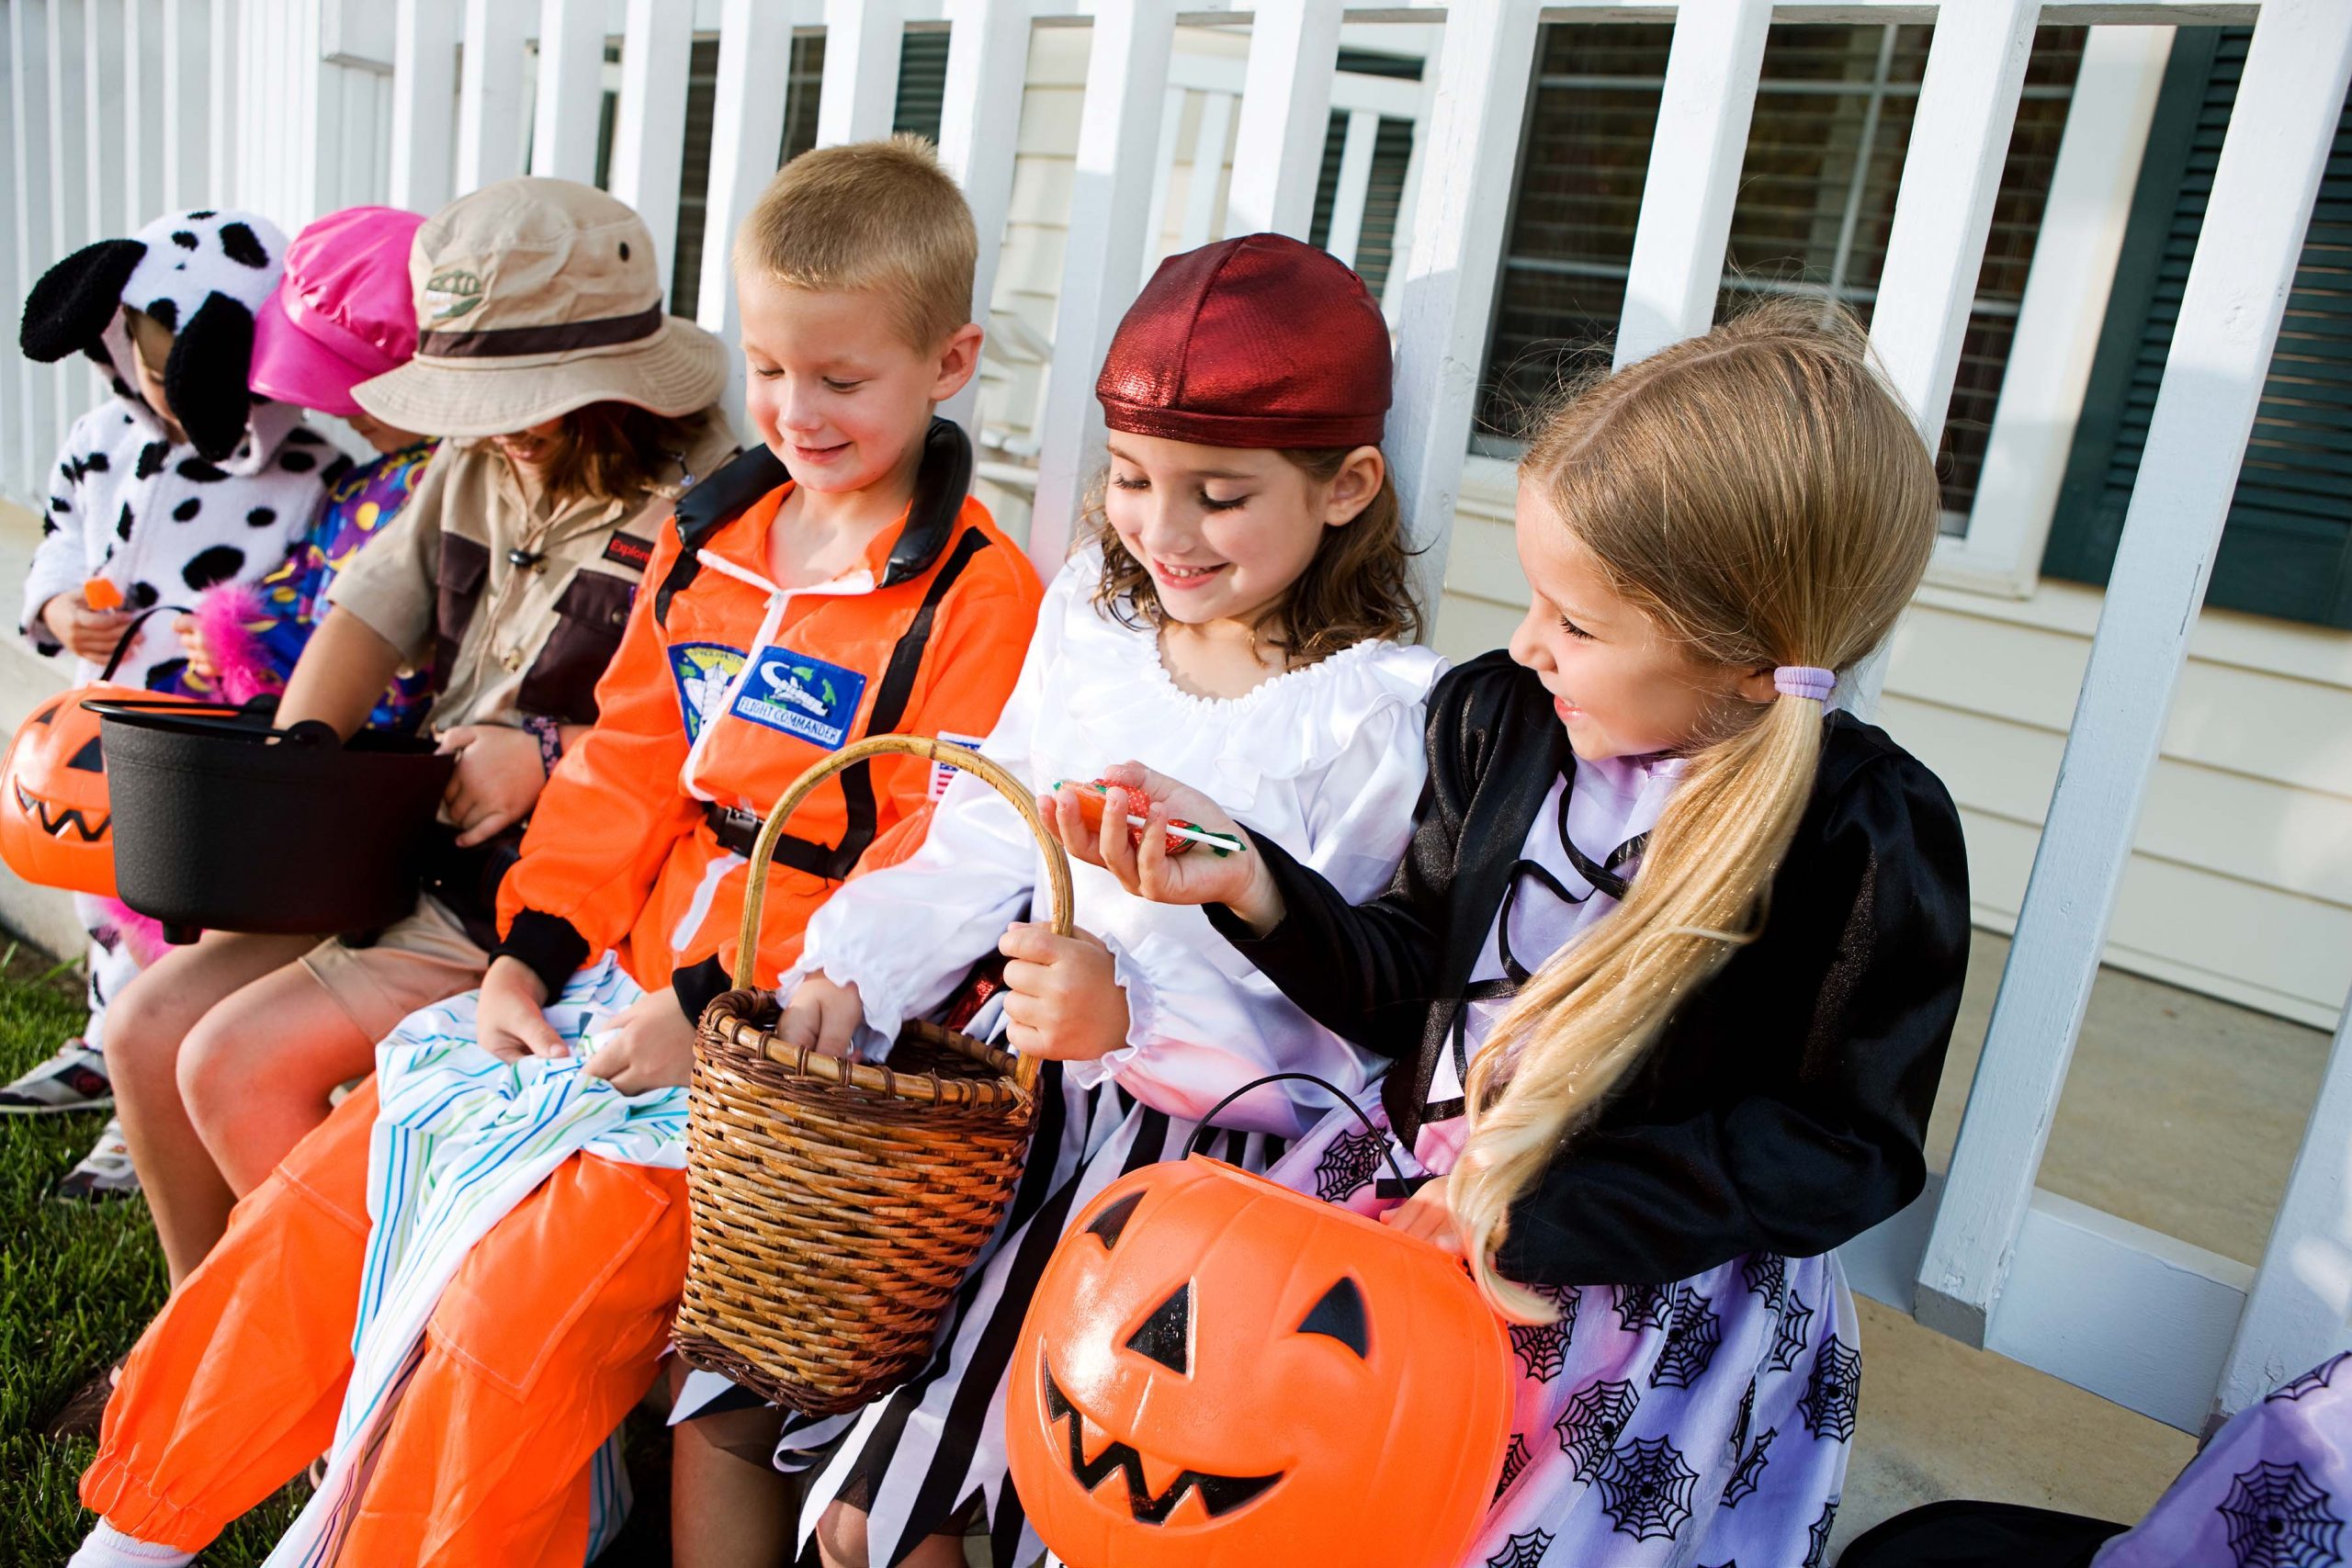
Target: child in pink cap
341	314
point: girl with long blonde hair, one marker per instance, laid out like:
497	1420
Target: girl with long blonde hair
1668	972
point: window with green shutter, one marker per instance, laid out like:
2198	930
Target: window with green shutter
2287	548
1818	180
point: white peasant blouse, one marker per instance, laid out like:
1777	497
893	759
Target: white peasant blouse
1325	759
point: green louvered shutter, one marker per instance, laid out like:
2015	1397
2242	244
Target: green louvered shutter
2287	550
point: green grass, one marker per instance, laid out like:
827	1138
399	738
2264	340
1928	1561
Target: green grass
79	1281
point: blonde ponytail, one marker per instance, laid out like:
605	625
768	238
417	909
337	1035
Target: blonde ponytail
1762	495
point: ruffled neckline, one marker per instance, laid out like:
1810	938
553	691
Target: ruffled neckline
1110	680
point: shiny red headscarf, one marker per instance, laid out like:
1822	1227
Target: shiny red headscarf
1254	342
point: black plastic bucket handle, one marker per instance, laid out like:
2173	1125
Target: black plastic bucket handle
1206	1128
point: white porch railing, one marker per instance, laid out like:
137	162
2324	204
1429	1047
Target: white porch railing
115	108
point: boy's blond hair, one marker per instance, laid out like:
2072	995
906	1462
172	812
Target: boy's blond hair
869	216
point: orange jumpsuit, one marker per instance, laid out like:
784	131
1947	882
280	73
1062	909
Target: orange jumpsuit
724	690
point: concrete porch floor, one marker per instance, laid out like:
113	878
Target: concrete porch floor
2181	1114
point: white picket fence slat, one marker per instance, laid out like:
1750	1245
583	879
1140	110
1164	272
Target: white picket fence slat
570	90
424	94
1677	268
657	45
2279	134
1451	273
364	97
979	127
1126	73
860	97
489	92
1286	106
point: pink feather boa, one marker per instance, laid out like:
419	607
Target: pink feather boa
140	933
227	617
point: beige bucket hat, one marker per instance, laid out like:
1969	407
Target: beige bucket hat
536	297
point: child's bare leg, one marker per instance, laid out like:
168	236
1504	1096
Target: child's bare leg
841	1541
257	1072
147	1026
729	1508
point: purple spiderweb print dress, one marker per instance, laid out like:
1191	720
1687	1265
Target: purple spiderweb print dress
1690	1425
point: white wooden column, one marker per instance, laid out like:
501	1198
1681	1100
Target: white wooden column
860	97
490	94
144	70
747	126
1286	113
220	100
1353	186
1702	116
69	204
1210	141
1452	265
657	49
1163	175
23	469
1943	209
2059	319
424	95
1126	73
2301	1309
2279	135
980	128
185	124
105	72
570	89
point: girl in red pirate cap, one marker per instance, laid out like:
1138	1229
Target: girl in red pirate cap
1235	615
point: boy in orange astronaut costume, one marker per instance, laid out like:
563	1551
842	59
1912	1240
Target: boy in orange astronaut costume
783	617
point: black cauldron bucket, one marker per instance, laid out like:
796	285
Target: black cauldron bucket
223	822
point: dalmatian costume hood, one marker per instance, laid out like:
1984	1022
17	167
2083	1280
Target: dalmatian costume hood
164	520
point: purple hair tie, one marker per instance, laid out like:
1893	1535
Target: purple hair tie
1805	681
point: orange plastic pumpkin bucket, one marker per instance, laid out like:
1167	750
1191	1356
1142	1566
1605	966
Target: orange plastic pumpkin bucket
1217	1372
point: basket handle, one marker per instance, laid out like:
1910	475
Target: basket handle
1057	882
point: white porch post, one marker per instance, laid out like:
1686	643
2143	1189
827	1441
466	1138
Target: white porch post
2301	1309
570	89
1126	73
1702	117
860	97
979	127
657	44
1452	264
425	91
1943	210
490	95
1285	108
747	126
2280	136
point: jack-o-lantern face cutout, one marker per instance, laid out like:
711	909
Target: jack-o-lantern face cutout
1215	1370
56	827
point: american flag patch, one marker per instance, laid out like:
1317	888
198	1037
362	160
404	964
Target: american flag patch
940	772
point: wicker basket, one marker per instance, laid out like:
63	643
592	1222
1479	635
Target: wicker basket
837	1205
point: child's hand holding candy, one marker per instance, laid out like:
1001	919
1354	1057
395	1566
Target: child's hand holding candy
1140	857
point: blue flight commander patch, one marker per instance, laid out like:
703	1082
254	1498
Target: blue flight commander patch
801	695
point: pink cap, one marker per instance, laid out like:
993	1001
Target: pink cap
343	314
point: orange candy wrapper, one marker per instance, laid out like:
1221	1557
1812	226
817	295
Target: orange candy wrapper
1093	798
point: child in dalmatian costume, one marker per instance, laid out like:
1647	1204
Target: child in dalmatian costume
178	480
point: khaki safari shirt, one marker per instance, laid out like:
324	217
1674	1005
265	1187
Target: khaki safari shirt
514	603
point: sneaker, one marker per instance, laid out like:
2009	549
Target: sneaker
73	1079
105	1172
84	1413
